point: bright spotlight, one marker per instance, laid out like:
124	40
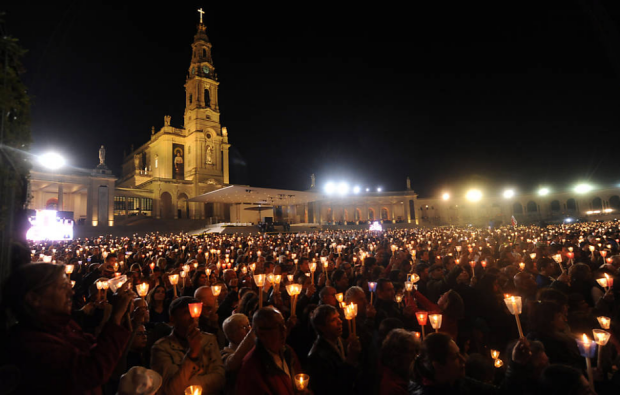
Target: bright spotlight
583	188
445	196
356	189
52	161
330	188
343	188
379	189
543	191
473	195
509	193
367	189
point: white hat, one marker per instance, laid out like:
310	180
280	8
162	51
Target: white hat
139	381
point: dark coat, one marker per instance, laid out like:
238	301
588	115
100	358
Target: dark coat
329	373
62	359
260	375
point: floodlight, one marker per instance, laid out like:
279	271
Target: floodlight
583	188
379	189
356	189
509	193
330	188
473	195
445	196
543	191
343	188
51	160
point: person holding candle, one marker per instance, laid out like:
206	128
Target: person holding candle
209	317
548	323
271	365
187	356
241	338
47	344
333	371
546	272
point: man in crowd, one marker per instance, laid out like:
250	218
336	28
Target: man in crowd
187	356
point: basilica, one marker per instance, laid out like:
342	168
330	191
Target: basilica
183	174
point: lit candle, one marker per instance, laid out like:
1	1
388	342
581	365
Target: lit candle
422	316
521	266
587	348
604	322
69	269
514	306
174	280
195	309
193	390
494	354
142	289
259	280
301	381
601	338
372	286
602	282
498	363
435	321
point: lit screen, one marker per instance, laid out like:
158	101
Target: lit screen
46	226
376	226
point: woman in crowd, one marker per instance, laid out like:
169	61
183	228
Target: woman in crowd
158	305
47	346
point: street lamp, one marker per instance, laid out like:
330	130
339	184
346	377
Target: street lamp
509	193
445	196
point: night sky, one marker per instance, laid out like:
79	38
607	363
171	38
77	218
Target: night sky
452	94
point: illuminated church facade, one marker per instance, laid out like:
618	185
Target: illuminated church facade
177	164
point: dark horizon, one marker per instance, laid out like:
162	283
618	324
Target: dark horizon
508	97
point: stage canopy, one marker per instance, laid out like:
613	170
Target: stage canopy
257	196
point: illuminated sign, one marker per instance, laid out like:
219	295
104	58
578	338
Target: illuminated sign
376	226
46	226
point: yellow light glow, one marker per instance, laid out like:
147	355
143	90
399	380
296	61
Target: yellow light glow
473	195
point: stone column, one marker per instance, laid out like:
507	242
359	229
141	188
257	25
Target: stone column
226	173
61	202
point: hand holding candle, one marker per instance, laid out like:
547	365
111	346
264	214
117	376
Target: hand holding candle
514	306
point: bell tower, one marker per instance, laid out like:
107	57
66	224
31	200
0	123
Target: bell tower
201	98
202	112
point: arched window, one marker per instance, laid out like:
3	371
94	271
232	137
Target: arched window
517	208
555	205
191	99
532	207
385	215
204	52
371	214
597	203
614	202
571	204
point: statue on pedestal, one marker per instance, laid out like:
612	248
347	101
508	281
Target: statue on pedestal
102	156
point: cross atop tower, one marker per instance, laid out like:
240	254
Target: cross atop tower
200	11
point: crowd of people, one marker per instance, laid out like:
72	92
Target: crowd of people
331	312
